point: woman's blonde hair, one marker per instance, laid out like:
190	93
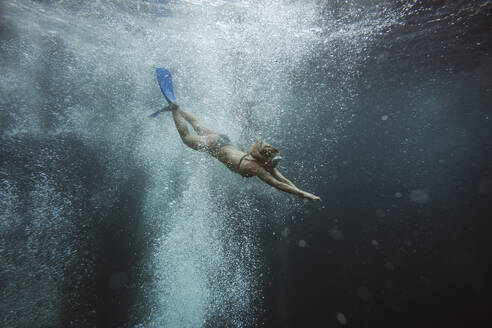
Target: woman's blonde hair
263	152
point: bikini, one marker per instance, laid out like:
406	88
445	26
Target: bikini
246	175
224	140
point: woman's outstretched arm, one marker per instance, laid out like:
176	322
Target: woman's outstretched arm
290	188
277	175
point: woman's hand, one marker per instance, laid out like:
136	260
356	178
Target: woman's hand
310	196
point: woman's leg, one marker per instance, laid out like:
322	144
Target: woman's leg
194	142
199	129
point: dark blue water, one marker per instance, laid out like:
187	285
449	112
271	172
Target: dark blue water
381	108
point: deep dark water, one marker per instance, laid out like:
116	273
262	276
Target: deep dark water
422	120
431	264
402	240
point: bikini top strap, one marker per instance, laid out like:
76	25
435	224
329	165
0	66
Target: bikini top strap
240	161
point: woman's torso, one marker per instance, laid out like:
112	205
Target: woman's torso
237	161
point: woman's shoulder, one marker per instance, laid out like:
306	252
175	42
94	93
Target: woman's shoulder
252	164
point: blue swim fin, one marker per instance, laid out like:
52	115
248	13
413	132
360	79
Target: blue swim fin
166	83
167	108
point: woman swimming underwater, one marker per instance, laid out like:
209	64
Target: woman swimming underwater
261	161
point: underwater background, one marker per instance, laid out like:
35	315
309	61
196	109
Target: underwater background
381	108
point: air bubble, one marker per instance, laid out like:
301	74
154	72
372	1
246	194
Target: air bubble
342	319
419	196
336	233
